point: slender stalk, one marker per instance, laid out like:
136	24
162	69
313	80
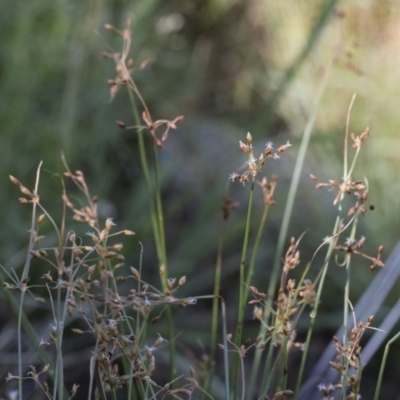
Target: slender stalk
214	318
383	364
24	278
30	332
224	342
60	317
254	253
346	309
288	213
160	214
314	312
146	173
346	138
347	286
250	275
157	220
242	287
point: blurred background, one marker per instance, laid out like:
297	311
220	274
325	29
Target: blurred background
230	67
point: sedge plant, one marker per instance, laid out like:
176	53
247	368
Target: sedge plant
88	285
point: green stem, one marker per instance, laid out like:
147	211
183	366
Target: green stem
345	375
242	287
146	173
253	376
254	253
160	218
288	212
217	286
25	276
383	364
314	312
157	221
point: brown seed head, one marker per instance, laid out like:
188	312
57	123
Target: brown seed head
121	124
15	181
249	138
244	147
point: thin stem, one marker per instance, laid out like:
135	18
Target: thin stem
254	253
253	376
289	207
24	278
314	312
157	220
242	286
214	319
346	137
224	341
383	364
346	307
160	217
146	173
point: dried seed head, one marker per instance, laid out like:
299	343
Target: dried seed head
74	389
121	124
365	134
144	64
171	283
244	147
15	181
243	179
135	273
109	224
40	300
254	289
182	281
25	190
249	138
41	218
36	253
8	286
361	242
159	341
48	277
257	313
